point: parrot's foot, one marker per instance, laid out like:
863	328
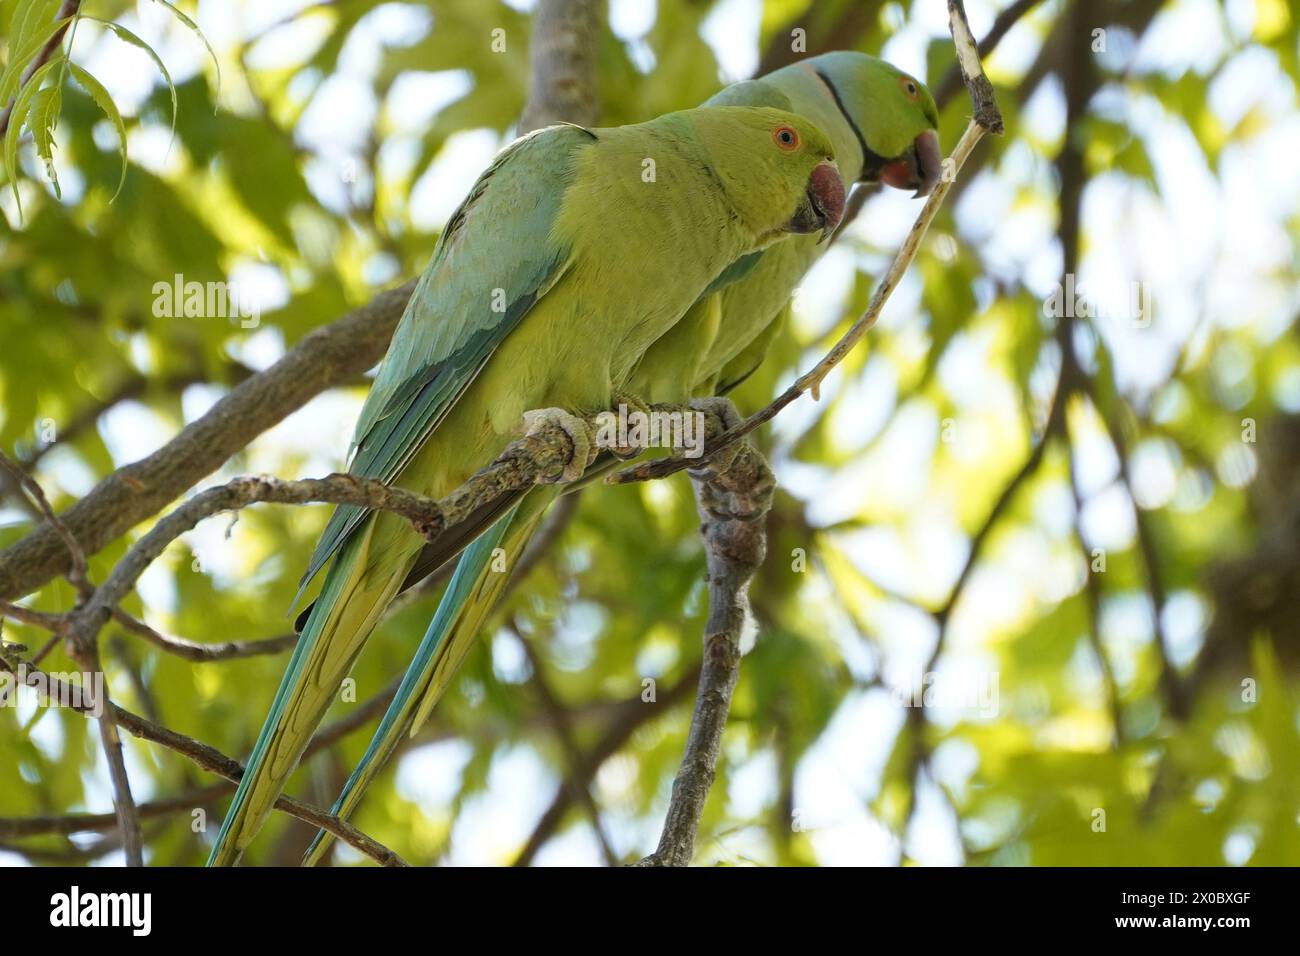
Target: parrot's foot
725	411
627	408
579	432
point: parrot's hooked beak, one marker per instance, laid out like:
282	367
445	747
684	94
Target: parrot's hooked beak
919	168
822	204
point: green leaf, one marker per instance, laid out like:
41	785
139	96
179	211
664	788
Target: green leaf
43	118
105	103
21	55
127	36
199	33
27	19
17	119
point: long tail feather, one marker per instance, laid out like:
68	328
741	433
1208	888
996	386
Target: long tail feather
354	594
471	596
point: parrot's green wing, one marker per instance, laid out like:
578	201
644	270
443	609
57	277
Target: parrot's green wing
469	299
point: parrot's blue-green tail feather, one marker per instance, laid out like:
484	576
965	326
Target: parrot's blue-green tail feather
224	852
470	568
358	586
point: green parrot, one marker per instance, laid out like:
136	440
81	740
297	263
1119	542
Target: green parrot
572	254
882	124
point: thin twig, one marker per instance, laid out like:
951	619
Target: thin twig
70	823
177	646
576	776
525	461
76	572
1093	596
952	81
209	758
916	714
203	653
423	513
1170	681
54	623
630	716
85	650
199	796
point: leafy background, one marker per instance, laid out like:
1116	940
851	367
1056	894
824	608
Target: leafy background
319	172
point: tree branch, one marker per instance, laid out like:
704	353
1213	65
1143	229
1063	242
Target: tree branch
1093	595
562	65
86	652
954	79
534	457
1170	683
423	513
203	653
70	823
920	754
208	758
733	507
134	386
327	357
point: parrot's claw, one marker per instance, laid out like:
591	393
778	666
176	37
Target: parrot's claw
579	432
633	402
627	404
725	411
722	407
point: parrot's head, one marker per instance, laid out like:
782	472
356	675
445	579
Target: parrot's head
777	169
893	117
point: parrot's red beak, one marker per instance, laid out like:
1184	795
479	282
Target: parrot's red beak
823	202
919	168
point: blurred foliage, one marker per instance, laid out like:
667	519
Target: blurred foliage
885	481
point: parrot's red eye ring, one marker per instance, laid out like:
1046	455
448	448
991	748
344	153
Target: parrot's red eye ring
909	87
785	138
